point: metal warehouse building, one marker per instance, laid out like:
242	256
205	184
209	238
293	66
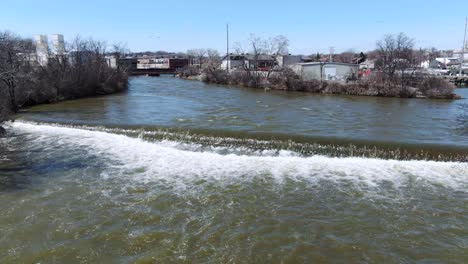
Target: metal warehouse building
326	71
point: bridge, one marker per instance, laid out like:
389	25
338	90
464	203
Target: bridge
152	72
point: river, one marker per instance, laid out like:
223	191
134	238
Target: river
177	171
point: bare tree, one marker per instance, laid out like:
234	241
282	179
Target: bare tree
261	53
346	57
83	72
257	47
432	54
15	67
213	58
395	55
198	54
278	45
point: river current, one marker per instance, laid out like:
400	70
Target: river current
178	171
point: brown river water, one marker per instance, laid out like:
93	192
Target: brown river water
177	171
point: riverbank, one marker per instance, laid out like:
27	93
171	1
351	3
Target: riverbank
82	72
286	80
38	97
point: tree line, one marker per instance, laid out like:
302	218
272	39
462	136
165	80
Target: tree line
82	71
396	72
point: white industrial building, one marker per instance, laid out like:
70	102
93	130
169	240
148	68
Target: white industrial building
326	71
448	60
58	44
111	61
43	51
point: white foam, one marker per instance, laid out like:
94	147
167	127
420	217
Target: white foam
149	161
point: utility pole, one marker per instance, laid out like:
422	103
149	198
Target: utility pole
228	56
463	46
332	49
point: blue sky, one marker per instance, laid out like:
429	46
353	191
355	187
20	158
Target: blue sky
311	26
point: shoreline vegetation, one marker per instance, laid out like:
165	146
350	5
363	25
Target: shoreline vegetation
83	72
397	71
430	87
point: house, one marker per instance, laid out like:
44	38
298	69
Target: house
234	62
248	61
449	60
260	61
286	60
458	54
307	58
327	71
434	64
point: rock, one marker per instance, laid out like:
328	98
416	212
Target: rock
2	131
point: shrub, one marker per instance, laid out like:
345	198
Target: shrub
288	80
334	88
188	71
239	78
215	76
434	87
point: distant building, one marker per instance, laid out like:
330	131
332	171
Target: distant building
327	71
146	63
286	60
434	64
234	62
177	63
458	54
249	61
42	49
44	53
111	61
307	59
449	60
59	44
128	63
153	63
